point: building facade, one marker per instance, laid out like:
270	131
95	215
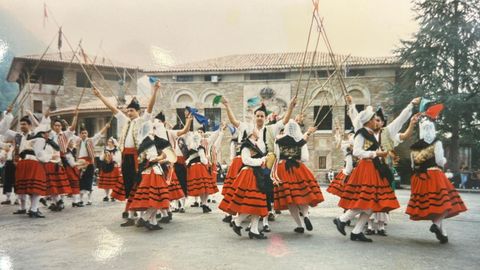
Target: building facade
274	79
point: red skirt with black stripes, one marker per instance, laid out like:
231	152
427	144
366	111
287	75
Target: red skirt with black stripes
298	186
175	189
336	186
232	173
109	180
433	195
152	192
30	178
246	198
73	175
57	179
200	181
367	190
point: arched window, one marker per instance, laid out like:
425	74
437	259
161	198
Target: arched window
214	114
360	99
181	99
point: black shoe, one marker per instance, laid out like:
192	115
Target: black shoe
37	214
308	224
271	217
209	201
43	201
77	204
141	223
164	220
20	212
175	210
299	230
112	199
247	229
130	222
151	227
359	237
382	233
266	228
227	219
438	233
182	210
105	199
348	223
7	202
252	235
205	209
340	226
125	215
60	205
278	212
16	202
237	229
81	204
170	216
195	204
369	232
89	203
157	216
52	207
214	201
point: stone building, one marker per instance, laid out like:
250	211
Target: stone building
60	84
274	78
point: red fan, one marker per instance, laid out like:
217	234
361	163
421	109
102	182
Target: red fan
434	111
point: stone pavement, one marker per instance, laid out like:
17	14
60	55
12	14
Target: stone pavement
91	238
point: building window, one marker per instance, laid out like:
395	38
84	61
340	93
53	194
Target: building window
89	124
184	78
215	117
111	77
355	72
82	80
38	106
322	162
181	119
323	117
348	121
48	76
267	76
324	73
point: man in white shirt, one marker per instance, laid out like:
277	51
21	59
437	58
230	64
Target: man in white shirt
130	124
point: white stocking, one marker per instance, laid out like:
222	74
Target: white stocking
362	220
304	209
254	224
349	215
239	218
35	199
295	212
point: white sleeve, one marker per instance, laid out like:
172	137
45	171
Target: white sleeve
213	137
96	138
348	165
70	160
146	116
395	126
122	119
232	151
46	121
203	157
5	123
305	156
42	154
276	150
353	113
117	157
69	133
249	161
439	154
275	128
358	148
9	135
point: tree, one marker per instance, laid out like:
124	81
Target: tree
442	63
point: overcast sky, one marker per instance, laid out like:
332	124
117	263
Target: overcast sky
151	31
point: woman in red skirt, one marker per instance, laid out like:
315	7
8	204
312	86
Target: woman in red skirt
73	172
368	189
233	170
57	179
110	172
152	192
248	197
336	186
433	196
296	188
199	178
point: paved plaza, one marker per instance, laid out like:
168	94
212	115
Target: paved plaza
91	238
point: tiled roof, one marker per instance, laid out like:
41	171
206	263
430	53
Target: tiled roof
273	61
66	57
97	105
